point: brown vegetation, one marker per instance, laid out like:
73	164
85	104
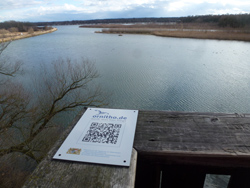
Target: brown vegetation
219	35
180	30
6	35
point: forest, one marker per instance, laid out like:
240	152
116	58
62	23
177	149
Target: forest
227	20
15	26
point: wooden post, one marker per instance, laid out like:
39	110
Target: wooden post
148	174
240	179
182	176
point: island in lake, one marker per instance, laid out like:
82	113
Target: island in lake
222	27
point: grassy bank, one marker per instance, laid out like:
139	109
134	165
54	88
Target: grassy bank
20	35
219	35
199	31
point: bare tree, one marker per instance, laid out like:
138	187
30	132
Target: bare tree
26	116
30	30
66	89
13	98
7	68
29	115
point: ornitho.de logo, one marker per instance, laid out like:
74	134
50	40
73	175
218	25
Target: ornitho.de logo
105	115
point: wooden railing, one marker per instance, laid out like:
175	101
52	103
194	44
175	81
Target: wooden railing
171	149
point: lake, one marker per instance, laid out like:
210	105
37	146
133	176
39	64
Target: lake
149	72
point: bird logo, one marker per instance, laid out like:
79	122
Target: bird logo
101	113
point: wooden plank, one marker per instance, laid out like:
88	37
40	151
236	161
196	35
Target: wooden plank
55	173
214	141
194	138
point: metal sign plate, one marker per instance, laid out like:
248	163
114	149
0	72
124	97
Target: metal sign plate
102	136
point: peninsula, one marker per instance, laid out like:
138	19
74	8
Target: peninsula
18	30
21	35
178	30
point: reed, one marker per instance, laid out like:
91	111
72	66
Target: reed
21	35
219	35
183	31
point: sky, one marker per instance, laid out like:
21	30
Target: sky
68	10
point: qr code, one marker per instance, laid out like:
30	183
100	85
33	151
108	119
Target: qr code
103	133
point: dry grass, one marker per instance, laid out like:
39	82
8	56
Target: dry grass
3	31
20	35
219	35
194	30
129	30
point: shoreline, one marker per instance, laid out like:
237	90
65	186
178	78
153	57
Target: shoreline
210	35
22	35
195	31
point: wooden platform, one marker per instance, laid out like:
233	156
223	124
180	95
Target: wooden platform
172	149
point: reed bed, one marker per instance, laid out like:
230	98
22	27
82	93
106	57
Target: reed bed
20	35
219	35
129	31
198	33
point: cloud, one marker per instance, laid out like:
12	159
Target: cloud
28	13
14	4
66	8
114	5
55	10
202	7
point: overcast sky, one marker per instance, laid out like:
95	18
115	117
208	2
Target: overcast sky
67	10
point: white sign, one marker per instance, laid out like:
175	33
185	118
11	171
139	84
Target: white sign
103	136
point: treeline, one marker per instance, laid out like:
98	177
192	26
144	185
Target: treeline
110	21
229	20
14	26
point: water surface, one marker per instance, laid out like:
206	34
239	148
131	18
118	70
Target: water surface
150	72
